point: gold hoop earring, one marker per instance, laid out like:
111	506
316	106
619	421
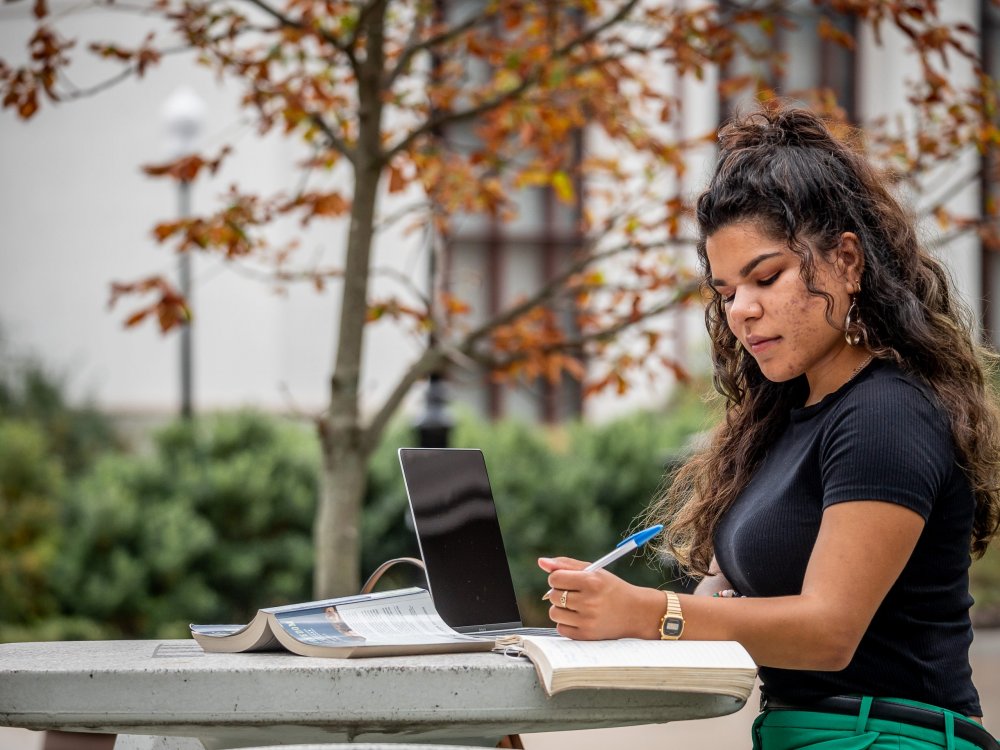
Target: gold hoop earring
853	330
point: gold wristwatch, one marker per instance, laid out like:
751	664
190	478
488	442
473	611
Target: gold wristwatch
672	622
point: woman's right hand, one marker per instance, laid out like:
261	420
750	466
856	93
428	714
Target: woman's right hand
599	604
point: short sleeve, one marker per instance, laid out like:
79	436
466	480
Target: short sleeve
888	442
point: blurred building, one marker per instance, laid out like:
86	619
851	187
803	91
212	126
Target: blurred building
76	214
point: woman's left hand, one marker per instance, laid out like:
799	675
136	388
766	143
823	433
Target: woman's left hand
599	605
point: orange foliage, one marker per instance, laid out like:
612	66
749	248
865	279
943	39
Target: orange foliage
169	308
187	168
469	111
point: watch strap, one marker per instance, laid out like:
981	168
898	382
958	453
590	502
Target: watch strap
672	622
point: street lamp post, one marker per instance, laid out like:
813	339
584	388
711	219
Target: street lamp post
184	115
434	425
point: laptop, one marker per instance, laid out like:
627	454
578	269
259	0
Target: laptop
460	541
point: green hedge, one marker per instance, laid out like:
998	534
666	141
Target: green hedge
31	484
216	520
211	526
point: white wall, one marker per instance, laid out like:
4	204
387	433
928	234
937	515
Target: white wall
76	214
883	94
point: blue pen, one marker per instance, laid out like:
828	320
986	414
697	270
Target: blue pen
625	546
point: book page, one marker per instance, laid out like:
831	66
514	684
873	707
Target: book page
633	652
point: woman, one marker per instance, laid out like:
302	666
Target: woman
834	515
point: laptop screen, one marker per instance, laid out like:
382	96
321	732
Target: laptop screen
459	536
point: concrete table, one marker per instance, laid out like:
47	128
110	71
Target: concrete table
171	689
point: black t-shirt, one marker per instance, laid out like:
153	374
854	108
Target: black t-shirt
880	437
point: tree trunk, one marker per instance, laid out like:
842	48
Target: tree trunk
336	533
346	444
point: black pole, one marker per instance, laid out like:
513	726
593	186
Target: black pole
184	274
434	425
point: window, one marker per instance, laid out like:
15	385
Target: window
490	263
810	62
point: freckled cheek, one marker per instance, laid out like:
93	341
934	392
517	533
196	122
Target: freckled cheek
807	318
801	329
803	313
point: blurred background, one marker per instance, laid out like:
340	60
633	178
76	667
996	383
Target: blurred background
157	475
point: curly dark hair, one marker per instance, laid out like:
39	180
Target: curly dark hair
783	170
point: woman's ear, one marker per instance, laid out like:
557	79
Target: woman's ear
850	261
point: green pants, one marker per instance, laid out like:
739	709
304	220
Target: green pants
793	729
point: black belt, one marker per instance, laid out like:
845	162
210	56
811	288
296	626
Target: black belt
926	718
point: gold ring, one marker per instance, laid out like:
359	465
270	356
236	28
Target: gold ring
563	598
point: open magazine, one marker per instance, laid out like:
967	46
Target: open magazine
387	623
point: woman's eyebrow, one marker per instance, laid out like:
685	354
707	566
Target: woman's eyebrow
745	271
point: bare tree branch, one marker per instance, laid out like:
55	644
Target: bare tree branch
286	20
578	343
129	71
455	116
404	280
946	239
336	142
388	220
444	37
431	360
952	190
276	14
552	288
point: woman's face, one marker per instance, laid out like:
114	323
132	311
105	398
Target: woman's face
778	321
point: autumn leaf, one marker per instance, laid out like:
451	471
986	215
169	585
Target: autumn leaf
169	308
111	51
397	182
319	205
166	230
453	305
563	186
395	309
827	30
186	168
532	178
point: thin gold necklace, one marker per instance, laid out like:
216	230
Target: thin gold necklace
859	368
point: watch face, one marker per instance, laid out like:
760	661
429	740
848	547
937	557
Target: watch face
672	627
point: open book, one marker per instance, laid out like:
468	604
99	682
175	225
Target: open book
387	623
722	667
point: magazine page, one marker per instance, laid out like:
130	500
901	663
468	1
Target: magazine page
217	631
304	606
319	627
407	619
